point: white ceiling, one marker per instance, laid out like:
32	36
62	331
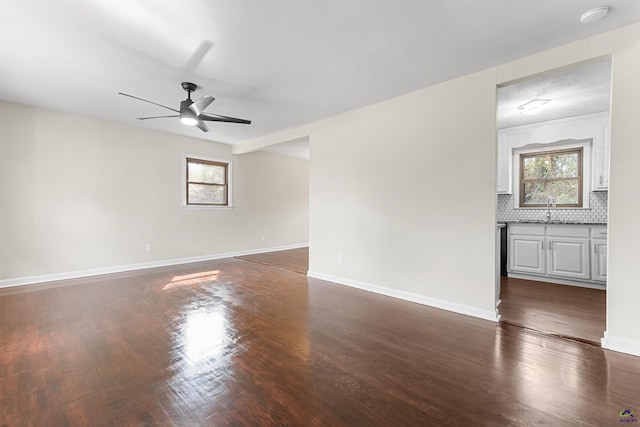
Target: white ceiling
580	89
280	63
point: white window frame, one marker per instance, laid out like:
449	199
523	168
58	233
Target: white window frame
209	159
585	144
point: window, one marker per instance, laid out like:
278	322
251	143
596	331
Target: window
551	173
207	182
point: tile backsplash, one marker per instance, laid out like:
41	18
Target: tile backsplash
597	212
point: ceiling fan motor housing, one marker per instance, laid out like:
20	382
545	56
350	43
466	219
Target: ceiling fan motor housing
189	87
185	111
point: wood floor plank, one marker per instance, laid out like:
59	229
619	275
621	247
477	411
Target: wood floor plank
291	259
236	342
567	311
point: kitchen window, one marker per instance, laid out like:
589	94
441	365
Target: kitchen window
556	174
207	182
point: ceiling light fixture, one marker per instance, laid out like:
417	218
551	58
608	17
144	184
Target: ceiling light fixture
594	15
189	121
534	106
187	117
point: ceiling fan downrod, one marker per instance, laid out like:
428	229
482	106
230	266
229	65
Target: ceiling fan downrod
189	87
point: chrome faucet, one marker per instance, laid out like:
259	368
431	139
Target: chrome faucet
551	202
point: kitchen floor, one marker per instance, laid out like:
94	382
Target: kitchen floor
566	311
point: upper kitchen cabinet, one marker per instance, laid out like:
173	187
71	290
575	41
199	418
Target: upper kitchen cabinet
601	148
590	130
504	167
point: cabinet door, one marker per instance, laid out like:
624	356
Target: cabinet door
526	254
599	260
504	170
568	258
601	148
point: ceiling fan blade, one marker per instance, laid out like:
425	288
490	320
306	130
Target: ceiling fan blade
201	104
156	117
150	102
202	126
198	55
219	118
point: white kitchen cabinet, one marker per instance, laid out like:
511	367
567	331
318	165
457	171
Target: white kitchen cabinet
527	254
568	257
561	252
599	260
601	148
504	167
526	248
568	251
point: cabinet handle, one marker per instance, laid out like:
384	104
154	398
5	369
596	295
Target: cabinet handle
542	244
600	179
595	249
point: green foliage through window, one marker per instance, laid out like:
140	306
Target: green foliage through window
551	173
207	183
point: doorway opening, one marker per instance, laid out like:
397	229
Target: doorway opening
552	208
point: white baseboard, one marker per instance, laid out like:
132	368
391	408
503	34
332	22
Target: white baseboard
620	344
410	296
558	281
31	280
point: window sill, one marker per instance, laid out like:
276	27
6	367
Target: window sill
196	207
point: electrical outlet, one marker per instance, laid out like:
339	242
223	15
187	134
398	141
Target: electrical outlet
339	259
262	237
147	247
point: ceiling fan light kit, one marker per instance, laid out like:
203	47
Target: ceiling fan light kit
191	113
189	121
187	117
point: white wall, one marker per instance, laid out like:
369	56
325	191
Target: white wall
81	194
405	189
623	296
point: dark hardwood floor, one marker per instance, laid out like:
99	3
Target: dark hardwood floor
233	342
566	311
292	259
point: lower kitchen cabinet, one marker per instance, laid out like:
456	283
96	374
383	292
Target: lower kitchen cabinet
566	252
568	258
527	254
599	260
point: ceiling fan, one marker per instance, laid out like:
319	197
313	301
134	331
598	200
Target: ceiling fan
192	113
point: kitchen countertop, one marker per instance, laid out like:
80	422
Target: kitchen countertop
552	222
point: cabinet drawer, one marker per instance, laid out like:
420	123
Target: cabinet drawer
599	232
530	229
567	231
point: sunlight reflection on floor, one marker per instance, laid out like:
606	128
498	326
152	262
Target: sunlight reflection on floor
191	279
